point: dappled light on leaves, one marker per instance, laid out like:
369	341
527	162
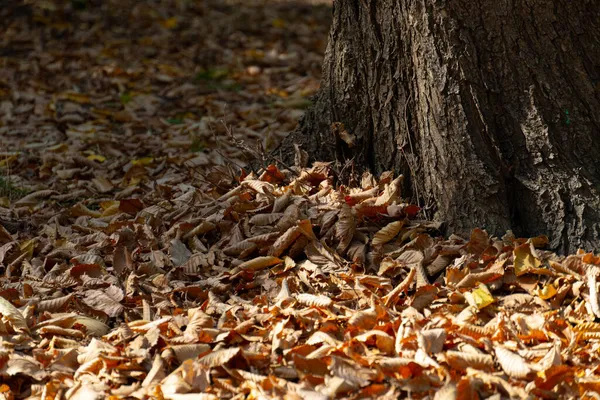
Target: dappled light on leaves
249	287
142	257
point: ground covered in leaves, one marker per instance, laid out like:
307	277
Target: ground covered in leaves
138	261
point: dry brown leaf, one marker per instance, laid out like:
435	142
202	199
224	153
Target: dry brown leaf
265	219
53	305
463	360
107	301
391	192
314	301
259	186
593	288
364	319
260	263
387	233
345	228
190	351
92	326
392	297
383	341
513	364
219	357
284	241
11	318
431	341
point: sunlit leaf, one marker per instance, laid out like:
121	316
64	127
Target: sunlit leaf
524	260
513	364
482	296
314	301
547	292
11	317
219	357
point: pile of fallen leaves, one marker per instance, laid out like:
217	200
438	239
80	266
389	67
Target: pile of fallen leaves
133	265
286	286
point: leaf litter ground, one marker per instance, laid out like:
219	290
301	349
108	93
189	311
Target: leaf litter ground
138	262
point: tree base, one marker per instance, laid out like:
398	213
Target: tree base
489	110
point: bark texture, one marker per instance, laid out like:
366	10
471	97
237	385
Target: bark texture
491	107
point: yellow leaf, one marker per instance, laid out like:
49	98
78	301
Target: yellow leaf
143	161
4	202
27	247
96	157
134	181
110	207
524	260
8	158
76	97
482	296
547	292
58	148
278	23
170	23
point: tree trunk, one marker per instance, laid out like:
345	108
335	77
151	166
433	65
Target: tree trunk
490	108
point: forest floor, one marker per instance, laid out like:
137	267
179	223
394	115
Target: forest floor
137	260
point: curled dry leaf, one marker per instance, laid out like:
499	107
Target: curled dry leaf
265	219
190	351
463	360
284	241
92	326
107	301
156	373
245	246
321	337
314	301
345	228
387	233
593	288
513	364
11	318
393	296
383	341
53	305
260	263
390	193
363	319
219	357
259	186
431	340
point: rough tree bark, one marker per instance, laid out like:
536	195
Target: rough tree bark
490	107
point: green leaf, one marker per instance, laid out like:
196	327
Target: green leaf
125	98
175	121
